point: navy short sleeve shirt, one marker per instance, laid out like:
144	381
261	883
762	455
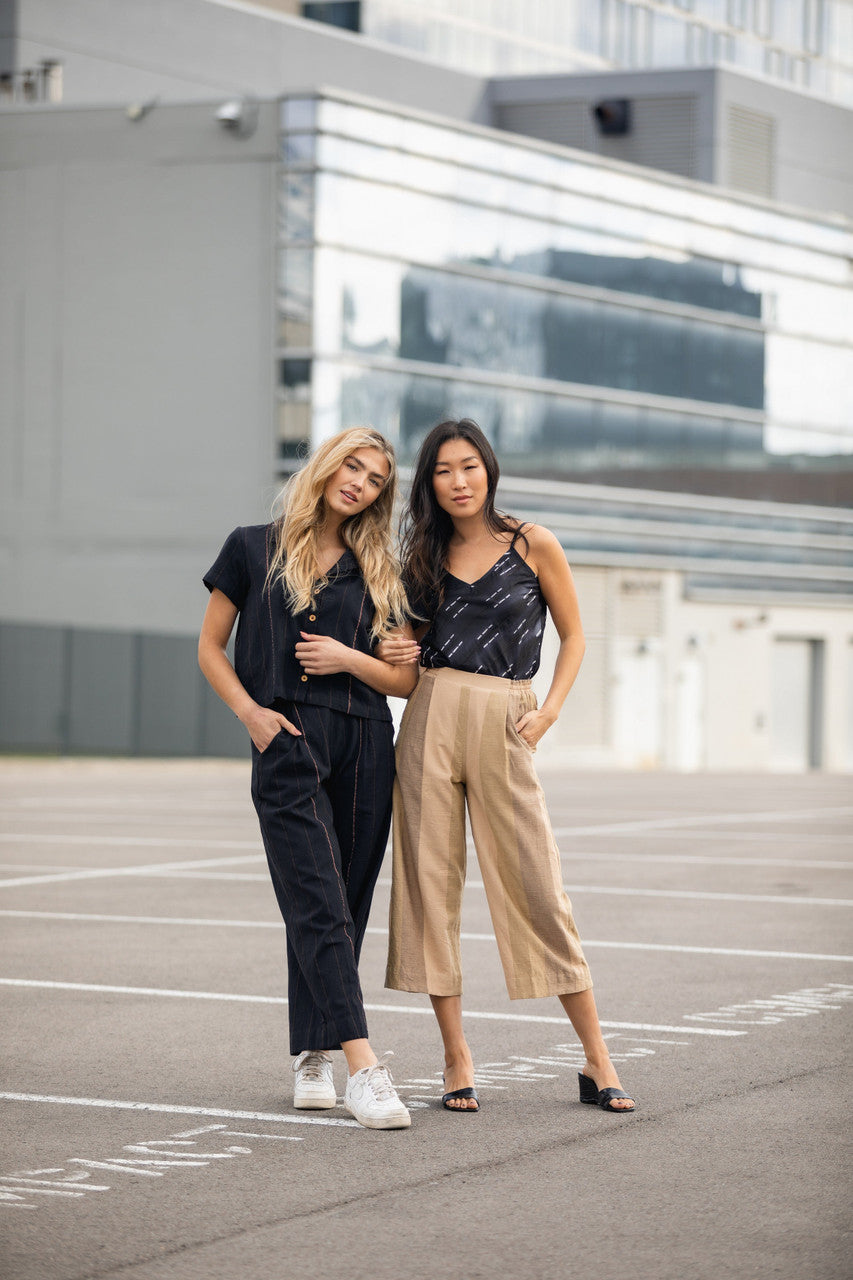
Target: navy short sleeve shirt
267	632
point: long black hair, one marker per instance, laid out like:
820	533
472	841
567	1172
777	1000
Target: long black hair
427	528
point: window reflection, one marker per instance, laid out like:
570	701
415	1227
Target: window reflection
295	297
294	419
634	331
537	434
450	318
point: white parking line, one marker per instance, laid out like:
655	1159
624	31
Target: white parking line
703	860
143	842
780	816
688	894
201	869
148	869
192	921
371	1008
124	802
697	896
568	855
114	1104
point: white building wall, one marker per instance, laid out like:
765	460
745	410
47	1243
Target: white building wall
669	682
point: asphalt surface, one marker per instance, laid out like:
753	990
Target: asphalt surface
146	1090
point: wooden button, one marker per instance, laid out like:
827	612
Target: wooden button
303	678
312	617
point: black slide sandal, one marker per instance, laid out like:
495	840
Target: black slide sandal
602	1097
461	1093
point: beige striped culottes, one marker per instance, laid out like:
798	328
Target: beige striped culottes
458	743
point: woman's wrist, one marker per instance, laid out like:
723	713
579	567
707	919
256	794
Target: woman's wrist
246	710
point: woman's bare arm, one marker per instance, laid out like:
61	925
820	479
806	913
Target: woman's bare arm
548	561
262	723
323	656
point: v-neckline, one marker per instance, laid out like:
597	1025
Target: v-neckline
324	573
465	583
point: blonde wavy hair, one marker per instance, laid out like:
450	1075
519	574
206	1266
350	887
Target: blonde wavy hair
299	516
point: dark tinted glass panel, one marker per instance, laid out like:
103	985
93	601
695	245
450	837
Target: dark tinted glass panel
697	281
572	438
453	319
338	13
295	373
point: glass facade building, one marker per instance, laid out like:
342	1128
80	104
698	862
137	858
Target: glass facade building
805	43
602	324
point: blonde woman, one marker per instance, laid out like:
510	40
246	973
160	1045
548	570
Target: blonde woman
314	591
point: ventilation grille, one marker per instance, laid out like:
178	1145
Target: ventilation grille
662	135
567	123
751	152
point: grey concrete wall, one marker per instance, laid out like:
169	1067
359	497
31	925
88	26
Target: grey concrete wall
184	50
813	146
136	359
8	34
67	689
813	142
585	91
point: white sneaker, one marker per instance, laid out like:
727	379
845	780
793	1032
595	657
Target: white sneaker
314	1088
372	1099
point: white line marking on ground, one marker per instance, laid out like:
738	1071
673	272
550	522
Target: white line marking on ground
690	894
245	877
41	867
696	895
79	916
704	860
745	837
181	870
720	951
274	1137
177	842
154	868
169	1109
706	819
371	1008
144	842
124	802
108	919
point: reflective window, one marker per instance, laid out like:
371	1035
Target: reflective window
296	207
597	322
295	297
435	317
494	37
294	419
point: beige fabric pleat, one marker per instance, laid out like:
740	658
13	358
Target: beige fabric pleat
458	744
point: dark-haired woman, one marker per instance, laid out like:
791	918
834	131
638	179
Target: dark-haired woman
485	582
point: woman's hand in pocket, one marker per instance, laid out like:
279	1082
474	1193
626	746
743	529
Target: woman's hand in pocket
532	726
265	724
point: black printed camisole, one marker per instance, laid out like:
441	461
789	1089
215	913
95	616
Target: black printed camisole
493	626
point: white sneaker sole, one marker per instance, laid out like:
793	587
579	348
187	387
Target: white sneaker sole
402	1120
315	1104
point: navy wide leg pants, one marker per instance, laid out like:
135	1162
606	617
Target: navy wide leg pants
324	806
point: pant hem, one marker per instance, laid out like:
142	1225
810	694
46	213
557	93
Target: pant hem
552	989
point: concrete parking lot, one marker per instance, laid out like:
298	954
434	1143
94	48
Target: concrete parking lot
148	1130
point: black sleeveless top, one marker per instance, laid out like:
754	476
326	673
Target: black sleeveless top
493	626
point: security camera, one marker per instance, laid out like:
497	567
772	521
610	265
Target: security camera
240	116
139	110
230	113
